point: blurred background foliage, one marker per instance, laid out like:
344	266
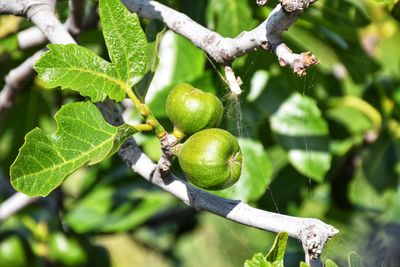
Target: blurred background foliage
325	145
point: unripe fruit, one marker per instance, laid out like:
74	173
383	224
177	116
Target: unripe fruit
12	252
192	110
66	250
211	159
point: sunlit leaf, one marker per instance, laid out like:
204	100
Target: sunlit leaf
303	131
78	68
82	137
330	263
125	40
258	260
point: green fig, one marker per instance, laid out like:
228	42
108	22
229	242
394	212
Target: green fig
192	110
12	252
211	159
66	250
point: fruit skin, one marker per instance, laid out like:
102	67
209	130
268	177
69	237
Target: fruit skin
211	159
67	251
192	110
12	252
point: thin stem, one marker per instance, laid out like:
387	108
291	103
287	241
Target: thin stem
178	133
145	111
142	127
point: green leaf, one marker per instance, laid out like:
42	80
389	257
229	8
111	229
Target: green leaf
363	194
258	260
82	137
75	67
303	264
302	130
125	40
330	263
313	164
154	31
355	260
33	107
256	173
299	116
78	68
9	44
275	255
352	102
110	208
230	17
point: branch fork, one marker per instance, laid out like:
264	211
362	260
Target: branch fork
168	143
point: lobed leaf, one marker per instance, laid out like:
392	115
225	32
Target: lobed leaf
154	32
75	67
78	68
82	137
125	40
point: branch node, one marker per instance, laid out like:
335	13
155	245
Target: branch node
314	235
309	59
282	62
306	59
34	7
261	2
290	6
168	142
266	45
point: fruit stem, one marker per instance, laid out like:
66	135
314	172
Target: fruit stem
142	127
178	133
146	113
177	149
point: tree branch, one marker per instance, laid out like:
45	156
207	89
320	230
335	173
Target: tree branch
33	36
312	233
268	35
15	203
41	12
15	81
